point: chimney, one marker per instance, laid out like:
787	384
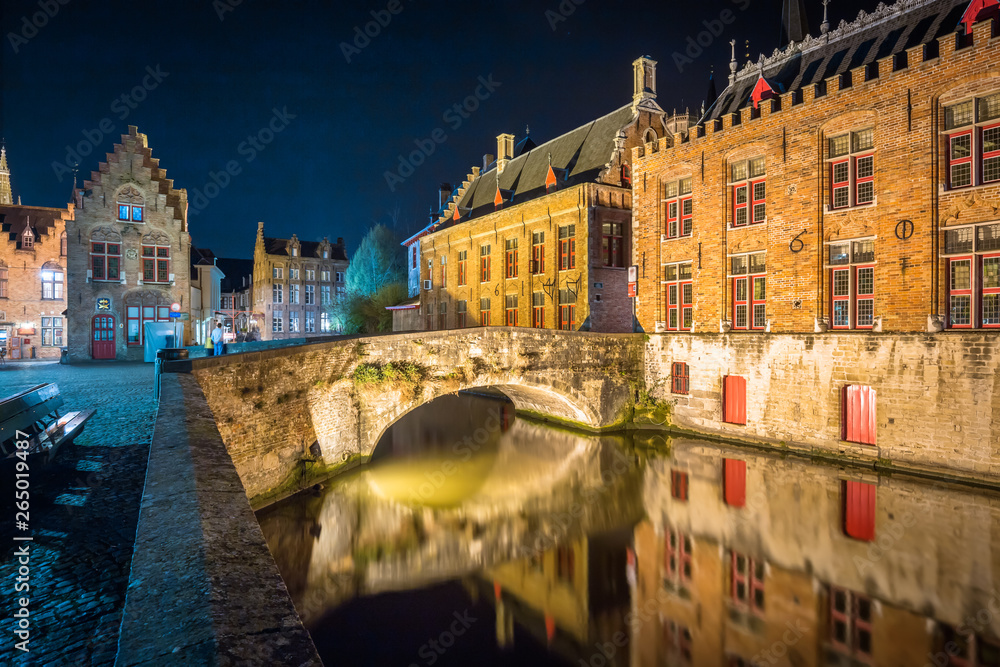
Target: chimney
487	161
444	194
340	240
505	151
643	80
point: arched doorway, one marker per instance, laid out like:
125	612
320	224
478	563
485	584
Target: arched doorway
104	337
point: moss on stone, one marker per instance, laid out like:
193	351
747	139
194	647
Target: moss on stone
308	473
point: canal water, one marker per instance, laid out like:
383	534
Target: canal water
475	537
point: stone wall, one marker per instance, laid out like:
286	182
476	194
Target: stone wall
289	416
937	396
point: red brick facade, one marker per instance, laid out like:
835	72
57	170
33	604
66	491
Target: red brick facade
901	98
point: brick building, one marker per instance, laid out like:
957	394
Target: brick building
129	254
849	181
33	293
538	236
295	284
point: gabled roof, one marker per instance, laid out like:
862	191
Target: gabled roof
889	29
579	156
13	220
273	246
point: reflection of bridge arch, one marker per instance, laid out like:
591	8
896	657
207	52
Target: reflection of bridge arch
272	405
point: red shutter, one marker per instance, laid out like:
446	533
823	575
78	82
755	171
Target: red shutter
734	397
859	510
858	414
735	482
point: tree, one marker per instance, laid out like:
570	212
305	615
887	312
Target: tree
378	261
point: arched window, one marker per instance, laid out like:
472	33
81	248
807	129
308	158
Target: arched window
63	245
53	280
27	239
131	205
649	137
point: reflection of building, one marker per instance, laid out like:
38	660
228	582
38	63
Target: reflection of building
206	280
540	235
295	284
741	563
32	275
129	253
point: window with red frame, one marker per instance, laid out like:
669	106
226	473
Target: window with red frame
130	213
679	292
749	192
678	208
679	377
858	510
463	262
972	135
511	310
851	624
626	175
973	276
747	582
677	557
538	310
461	310
105	261
565	564
613	243
679	484
749	277
538	252
567	310
677	644
155	264
484	312
852	284
567	247
852	168
484	263
510	264
968	649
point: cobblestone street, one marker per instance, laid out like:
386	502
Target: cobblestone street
84	508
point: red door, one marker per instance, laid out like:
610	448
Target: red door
104	337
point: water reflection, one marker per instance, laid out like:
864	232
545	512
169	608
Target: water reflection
611	550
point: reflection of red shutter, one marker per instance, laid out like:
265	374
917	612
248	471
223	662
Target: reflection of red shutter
735	482
734	396
859	510
858	414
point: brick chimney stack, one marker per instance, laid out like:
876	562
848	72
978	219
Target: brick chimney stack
643	80
505	151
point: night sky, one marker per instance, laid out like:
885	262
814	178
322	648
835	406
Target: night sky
211	75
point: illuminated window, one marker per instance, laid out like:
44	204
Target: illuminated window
749	187
749	291
52	284
972	136
972	276
678	208
52	332
851	157
852	284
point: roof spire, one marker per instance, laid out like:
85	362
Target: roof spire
794	24
732	62
825	26
712	93
6	197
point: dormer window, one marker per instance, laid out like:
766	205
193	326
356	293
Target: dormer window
27	239
295	252
326	254
131	205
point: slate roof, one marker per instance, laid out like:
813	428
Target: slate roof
14	218
273	246
578	156
234	270
889	29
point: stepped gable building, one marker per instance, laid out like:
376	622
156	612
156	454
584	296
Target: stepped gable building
237	298
129	254
32	275
539	236
849	181
296	283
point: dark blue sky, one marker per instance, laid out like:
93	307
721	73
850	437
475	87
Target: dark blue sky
323	174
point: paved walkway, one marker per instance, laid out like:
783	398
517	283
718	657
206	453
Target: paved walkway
83	514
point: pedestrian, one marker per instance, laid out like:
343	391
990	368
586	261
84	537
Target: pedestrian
217	338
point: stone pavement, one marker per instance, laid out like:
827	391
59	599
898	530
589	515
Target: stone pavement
83	514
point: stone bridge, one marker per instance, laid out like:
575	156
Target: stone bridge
292	415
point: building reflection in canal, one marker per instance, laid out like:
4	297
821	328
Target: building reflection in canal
581	549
